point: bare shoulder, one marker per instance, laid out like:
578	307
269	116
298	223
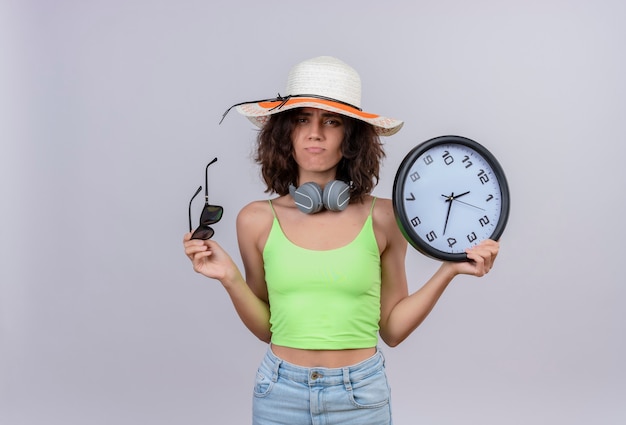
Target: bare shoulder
254	223
383	212
385	224
254	213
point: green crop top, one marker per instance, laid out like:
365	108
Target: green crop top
323	300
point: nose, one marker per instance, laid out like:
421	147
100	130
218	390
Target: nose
315	130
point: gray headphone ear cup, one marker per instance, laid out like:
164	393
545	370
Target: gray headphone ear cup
308	197
336	195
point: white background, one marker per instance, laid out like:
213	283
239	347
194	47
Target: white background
109	112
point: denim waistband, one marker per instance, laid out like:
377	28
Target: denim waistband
275	367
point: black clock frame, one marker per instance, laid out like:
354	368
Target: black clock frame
404	222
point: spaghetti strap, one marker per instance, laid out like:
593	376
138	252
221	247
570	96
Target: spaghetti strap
272	207
372	208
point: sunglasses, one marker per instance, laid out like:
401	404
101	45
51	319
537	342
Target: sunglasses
211	214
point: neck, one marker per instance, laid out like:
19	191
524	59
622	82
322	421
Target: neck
320	179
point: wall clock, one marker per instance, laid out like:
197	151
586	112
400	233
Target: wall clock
450	193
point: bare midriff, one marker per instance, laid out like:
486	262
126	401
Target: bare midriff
323	358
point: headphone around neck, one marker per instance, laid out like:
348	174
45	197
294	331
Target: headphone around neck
310	198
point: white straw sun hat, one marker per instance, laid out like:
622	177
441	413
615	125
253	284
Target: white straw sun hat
323	82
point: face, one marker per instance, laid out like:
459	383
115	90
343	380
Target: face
317	138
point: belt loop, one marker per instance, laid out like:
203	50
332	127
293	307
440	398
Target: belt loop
346	379
275	367
382	355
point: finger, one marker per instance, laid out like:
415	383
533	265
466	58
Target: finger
478	263
493	246
200	260
483	257
210	243
488	247
491	252
192	250
192	242
199	256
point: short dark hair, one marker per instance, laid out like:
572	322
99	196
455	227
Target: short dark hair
361	148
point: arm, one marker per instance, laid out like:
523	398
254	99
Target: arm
402	313
249	298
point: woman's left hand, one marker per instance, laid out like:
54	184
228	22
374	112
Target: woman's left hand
481	258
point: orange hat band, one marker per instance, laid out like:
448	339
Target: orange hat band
278	104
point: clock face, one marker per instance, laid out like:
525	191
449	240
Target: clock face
450	193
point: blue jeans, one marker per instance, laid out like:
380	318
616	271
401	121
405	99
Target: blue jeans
286	394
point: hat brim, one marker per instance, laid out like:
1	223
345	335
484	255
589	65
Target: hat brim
259	112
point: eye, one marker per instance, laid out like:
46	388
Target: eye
301	119
333	121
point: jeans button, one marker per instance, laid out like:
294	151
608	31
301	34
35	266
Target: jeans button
315	375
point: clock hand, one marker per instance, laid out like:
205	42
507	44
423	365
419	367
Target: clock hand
449	201
453	197
462	194
469	205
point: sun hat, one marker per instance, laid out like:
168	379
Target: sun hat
323	82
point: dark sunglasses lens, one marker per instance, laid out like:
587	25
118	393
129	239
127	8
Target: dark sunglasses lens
203	232
211	214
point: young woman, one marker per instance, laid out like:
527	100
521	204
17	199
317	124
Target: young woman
324	260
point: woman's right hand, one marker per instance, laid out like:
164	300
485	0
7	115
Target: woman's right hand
210	259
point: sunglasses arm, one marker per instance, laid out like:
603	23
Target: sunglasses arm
192	198
206	181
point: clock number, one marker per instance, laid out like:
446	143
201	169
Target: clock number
484	221
431	236
489	198
466	160
472	237
484	178
415	221
447	158
428	159
412	198
415	176
451	242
